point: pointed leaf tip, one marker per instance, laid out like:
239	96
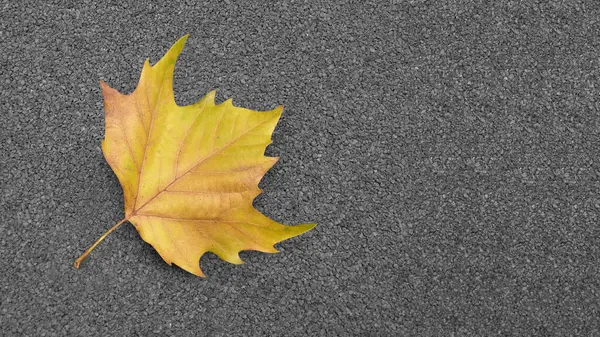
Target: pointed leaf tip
181	41
306	227
106	89
208	100
173	53
279	110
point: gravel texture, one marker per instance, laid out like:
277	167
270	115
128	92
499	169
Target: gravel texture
449	150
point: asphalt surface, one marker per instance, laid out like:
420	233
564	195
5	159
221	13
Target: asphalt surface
448	150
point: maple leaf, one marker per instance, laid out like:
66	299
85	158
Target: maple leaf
190	173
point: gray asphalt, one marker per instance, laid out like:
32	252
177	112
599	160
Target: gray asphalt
448	150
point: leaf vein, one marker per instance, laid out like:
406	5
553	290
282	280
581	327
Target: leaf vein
152	114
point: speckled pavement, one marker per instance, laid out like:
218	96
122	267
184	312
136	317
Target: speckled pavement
448	150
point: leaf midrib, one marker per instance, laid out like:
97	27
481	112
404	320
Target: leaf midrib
162	85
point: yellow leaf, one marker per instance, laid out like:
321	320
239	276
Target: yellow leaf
190	173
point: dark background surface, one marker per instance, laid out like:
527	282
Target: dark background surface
449	151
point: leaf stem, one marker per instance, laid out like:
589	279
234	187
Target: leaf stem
89	250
